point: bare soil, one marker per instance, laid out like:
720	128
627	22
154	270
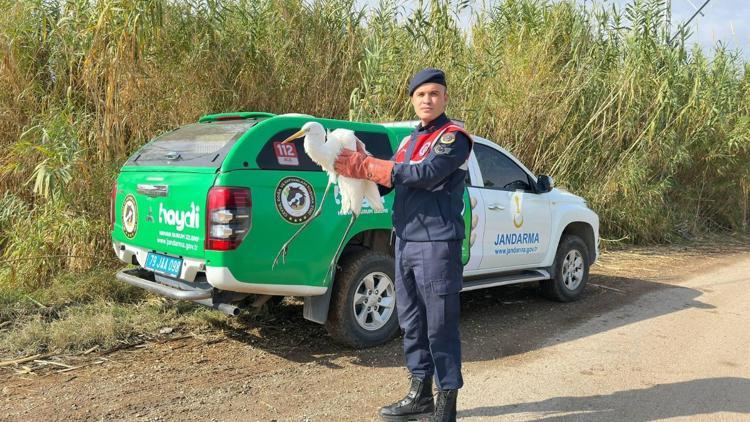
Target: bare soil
284	368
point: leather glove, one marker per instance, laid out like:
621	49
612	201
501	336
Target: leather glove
359	165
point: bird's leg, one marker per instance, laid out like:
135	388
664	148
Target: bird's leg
341	245
285	246
322	200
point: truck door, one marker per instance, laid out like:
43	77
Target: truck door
474	217
517	220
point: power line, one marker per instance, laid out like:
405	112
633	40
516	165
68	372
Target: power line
682	27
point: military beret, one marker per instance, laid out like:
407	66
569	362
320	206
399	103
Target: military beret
424	76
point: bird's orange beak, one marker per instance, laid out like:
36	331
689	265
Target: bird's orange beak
295	135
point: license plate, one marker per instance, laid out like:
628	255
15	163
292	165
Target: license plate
164	264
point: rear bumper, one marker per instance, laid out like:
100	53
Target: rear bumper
217	277
130	254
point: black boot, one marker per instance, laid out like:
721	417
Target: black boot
417	404
445	408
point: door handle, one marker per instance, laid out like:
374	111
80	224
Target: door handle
152	190
495	207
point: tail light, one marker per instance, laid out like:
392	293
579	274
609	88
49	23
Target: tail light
112	198
227	217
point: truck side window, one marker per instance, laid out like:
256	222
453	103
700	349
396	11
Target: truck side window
377	144
499	171
472	179
293	157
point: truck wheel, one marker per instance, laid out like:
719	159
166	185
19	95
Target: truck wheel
570	271
363	302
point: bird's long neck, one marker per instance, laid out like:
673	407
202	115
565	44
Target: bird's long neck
315	149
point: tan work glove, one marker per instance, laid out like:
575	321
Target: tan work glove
359	165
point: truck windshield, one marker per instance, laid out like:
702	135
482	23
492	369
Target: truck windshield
197	144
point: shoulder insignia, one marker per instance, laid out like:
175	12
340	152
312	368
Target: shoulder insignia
441	149
448	138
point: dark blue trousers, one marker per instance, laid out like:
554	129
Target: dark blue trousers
429	277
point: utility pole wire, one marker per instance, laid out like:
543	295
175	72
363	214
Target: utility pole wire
695	7
682	27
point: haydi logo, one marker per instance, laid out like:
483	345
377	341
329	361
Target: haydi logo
181	219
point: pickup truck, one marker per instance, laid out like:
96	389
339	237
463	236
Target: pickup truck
201	212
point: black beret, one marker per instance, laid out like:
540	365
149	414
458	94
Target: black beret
426	76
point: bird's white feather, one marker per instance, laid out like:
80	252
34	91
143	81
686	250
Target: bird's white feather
324	152
373	196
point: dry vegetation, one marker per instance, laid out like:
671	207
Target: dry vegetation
655	136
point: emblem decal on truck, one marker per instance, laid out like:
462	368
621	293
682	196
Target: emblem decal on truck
295	199
517	215
129	217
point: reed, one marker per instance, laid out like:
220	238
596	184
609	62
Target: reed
655	136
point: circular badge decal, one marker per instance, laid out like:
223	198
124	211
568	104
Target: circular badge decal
129	217
295	199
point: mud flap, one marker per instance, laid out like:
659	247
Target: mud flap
316	307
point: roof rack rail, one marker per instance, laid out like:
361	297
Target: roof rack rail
239	115
414	123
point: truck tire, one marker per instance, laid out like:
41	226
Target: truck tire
362	312
570	271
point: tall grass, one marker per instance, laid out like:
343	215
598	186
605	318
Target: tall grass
655	136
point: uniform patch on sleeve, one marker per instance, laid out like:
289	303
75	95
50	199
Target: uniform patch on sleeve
441	149
448	138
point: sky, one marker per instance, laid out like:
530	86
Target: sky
727	21
724	20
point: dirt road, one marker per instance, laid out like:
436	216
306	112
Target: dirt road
682	351
660	333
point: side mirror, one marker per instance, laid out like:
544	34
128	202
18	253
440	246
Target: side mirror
544	183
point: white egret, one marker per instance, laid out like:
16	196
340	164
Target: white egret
353	191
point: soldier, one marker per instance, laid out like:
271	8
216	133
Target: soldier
428	173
